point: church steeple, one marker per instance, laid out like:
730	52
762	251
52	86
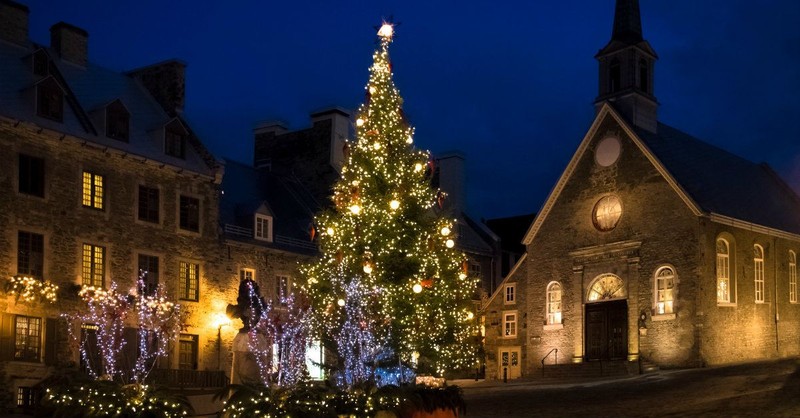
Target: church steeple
626	69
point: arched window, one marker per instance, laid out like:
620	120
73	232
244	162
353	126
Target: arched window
644	75
606	286
792	277
723	271
553	303
758	268
665	291
614	76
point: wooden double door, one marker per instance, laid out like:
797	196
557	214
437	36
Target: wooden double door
606	330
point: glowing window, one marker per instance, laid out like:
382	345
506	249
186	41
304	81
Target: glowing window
27	338
606	213
93	265
315	357
607	286
189	281
510	324
758	268
92	190
553	304
723	272
665	291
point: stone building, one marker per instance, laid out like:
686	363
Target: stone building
653	244
101	178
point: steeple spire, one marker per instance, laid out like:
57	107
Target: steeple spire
627	22
626	69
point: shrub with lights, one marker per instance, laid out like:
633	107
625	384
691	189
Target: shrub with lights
115	385
389	279
31	289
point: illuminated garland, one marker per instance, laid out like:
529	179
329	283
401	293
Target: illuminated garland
387	232
30	289
105	399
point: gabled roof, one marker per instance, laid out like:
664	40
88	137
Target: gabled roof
246	189
90	88
723	183
710	181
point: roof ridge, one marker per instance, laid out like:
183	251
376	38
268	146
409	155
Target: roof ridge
709	144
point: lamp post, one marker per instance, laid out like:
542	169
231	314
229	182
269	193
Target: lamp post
219	321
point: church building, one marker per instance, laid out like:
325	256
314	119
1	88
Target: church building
652	246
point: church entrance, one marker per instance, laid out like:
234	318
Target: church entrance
607	330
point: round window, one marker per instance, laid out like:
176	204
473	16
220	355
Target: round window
607	151
606	213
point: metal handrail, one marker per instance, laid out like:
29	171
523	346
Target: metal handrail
555	350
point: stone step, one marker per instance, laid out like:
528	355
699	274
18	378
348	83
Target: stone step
586	369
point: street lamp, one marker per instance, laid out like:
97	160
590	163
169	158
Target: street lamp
219	320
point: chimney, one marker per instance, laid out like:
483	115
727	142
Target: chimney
340	130
451	180
13	22
166	83
71	43
265	133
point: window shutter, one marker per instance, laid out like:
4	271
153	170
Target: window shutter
7	337
131	349
51	341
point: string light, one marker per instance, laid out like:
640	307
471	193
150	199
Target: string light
394	204
30	289
445	230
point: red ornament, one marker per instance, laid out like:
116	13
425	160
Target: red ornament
312	231
427	283
440	199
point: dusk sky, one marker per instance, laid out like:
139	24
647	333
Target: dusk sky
509	83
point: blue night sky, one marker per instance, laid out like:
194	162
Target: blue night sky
510	84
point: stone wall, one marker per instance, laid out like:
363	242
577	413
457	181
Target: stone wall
493	320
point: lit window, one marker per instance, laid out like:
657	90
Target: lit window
665	286
92	190
792	277
553	304
758	266
187	352
27	338
189	214
93	265
26	397
315	357
247	274
30	254
282	289
149	206
607	286
189	280
511	296
723	272
263	229
510	324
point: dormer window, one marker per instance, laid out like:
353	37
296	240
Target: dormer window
175	140
263	228
41	63
50	100
117	121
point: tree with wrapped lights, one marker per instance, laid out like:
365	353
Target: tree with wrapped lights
389	277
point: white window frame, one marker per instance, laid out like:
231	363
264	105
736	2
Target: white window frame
509	324
244	272
663	296
792	277
257	232
553	315
723	272
758	273
512	287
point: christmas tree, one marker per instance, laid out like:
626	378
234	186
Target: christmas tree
389	278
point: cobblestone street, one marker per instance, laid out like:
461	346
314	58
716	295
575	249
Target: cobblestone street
770	389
